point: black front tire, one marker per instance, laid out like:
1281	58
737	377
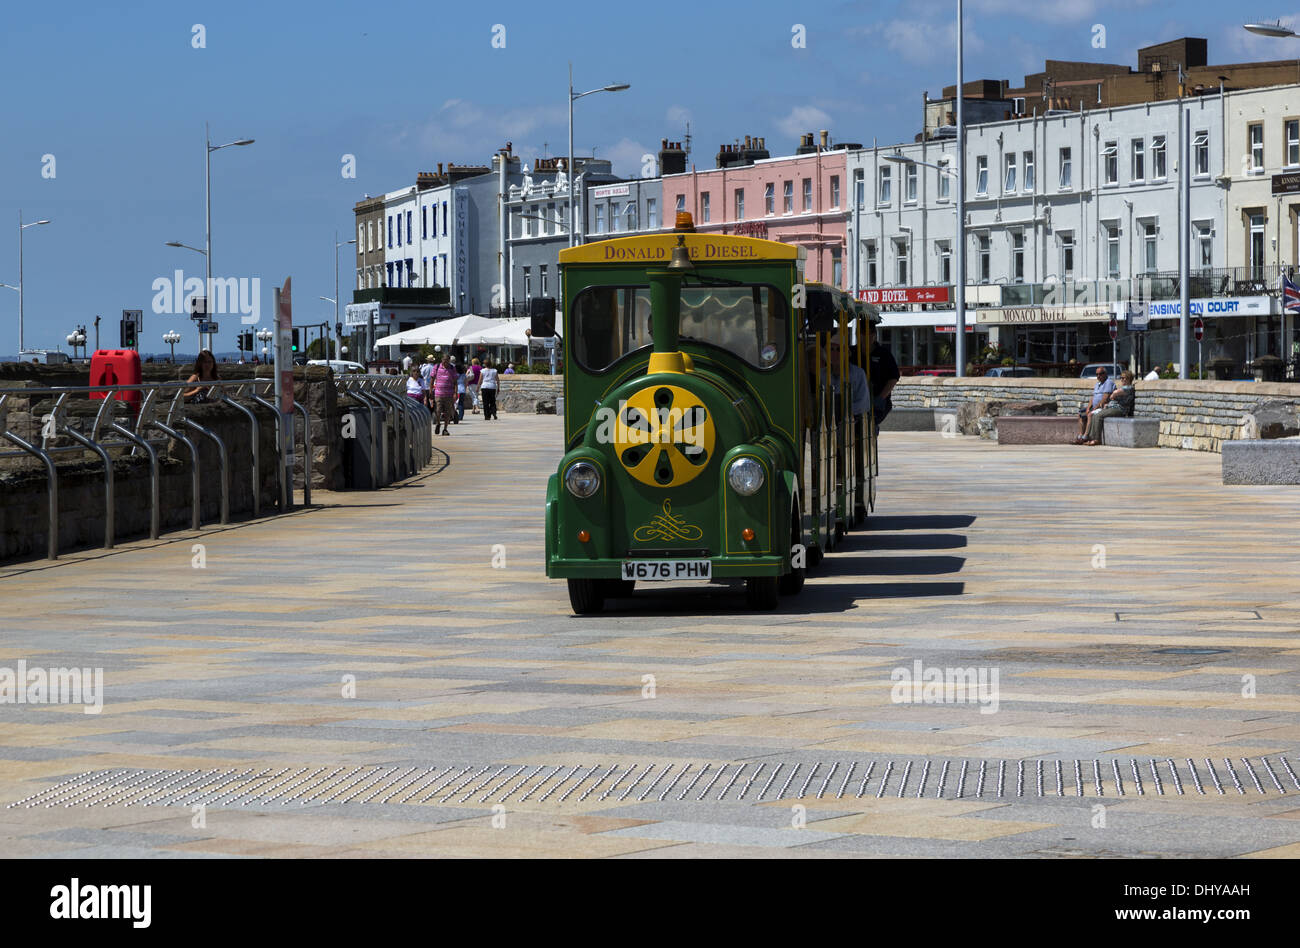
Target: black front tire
791	583
761	592
587	596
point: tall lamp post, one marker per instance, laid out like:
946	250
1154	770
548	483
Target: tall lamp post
574	97
959	348
198	250
22	227
207	243
337	244
10	286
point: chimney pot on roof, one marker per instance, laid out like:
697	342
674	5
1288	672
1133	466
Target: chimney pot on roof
826	139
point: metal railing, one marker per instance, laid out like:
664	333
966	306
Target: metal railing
118	427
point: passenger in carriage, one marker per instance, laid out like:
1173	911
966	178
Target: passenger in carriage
884	376
859	390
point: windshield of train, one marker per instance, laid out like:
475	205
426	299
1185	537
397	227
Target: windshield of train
749	321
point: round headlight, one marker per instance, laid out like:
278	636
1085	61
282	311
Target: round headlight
745	476
582	479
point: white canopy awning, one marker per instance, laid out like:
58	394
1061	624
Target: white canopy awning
446	332
508	332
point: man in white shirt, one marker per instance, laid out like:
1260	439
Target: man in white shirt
426	379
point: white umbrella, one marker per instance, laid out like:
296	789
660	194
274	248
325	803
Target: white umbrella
510	334
447	332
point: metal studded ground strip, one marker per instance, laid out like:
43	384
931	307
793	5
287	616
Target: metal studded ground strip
753	782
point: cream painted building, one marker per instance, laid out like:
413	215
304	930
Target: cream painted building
1262	211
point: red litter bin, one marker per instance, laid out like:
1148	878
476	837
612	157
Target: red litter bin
116	367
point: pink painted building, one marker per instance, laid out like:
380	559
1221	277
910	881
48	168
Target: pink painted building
801	199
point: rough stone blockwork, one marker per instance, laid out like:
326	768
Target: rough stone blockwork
1262	462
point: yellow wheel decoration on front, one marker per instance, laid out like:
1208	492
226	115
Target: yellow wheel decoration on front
664	436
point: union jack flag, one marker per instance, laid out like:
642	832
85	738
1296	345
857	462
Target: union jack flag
1290	296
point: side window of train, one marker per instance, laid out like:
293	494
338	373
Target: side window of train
750	321
819	312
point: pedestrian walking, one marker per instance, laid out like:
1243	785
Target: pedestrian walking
474	372
488	389
426	376
444	392
461	396
414	387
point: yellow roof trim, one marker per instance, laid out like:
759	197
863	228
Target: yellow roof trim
703	248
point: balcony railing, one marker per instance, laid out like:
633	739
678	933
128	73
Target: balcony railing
1205	283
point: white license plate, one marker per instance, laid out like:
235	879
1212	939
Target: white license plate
667	570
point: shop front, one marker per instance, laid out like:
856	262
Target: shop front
1237	333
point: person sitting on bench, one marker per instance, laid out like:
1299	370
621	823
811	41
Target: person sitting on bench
1100	393
1118	404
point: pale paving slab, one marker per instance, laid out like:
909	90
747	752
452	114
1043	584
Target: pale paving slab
486	665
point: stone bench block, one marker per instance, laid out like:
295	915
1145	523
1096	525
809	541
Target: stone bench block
909	419
1261	462
1130	432
1037	429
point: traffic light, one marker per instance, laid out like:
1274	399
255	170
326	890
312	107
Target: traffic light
295	340
128	334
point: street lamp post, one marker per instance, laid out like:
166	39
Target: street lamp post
77	338
337	244
171	337
573	205
207	283
959	348
198	250
22	227
264	336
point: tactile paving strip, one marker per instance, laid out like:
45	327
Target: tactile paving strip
737	782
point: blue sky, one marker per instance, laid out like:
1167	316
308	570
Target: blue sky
119	97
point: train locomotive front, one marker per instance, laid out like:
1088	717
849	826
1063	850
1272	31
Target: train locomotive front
681	418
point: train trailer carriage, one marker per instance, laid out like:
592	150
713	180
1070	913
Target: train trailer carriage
708	436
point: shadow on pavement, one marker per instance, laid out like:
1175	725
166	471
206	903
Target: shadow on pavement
876	524
914	541
849	565
863	566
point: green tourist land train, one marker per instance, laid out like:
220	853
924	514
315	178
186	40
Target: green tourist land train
707	435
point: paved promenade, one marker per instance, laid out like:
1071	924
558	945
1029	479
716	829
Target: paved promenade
360	680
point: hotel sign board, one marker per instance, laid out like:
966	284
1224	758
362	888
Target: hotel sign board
1034	315
1286	183
609	191
905	294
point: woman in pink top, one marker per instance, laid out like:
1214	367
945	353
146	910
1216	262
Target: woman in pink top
443	380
